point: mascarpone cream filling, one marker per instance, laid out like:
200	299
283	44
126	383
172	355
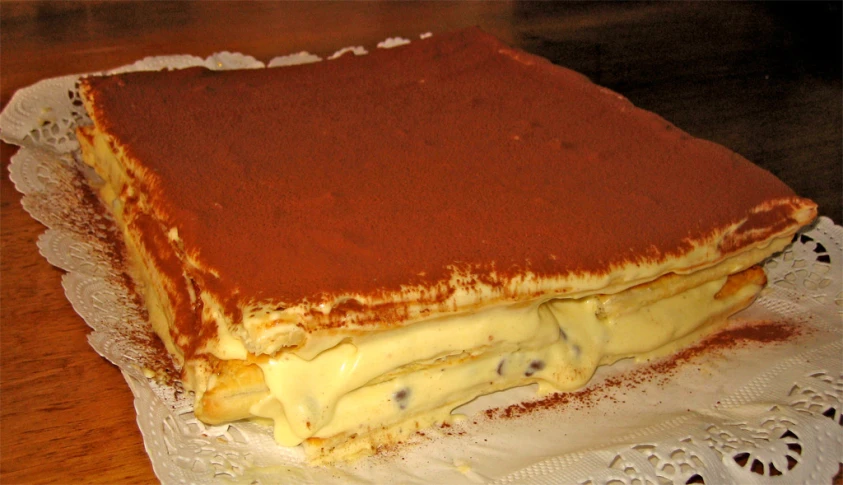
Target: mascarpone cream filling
557	343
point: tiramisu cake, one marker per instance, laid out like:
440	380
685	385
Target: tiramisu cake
352	249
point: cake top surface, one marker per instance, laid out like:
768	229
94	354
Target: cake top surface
372	174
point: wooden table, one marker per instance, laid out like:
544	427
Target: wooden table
763	79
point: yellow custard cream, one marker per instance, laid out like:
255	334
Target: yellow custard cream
380	379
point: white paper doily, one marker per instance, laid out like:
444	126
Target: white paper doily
745	414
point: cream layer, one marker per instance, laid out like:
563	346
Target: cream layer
558	343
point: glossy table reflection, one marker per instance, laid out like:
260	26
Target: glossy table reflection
761	78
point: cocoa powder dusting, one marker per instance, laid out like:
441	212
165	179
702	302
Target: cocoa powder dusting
407	162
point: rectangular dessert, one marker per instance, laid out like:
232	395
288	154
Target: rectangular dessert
352	249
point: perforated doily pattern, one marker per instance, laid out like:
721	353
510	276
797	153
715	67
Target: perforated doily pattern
762	416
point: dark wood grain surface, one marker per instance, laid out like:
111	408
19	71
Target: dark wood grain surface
761	78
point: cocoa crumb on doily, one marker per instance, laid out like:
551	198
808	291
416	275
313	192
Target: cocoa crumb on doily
660	371
95	226
731	337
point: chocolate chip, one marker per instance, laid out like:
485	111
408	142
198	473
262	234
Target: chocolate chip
562	334
534	367
402	397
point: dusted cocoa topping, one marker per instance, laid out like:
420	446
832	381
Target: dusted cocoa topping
364	174
761	226
188	331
